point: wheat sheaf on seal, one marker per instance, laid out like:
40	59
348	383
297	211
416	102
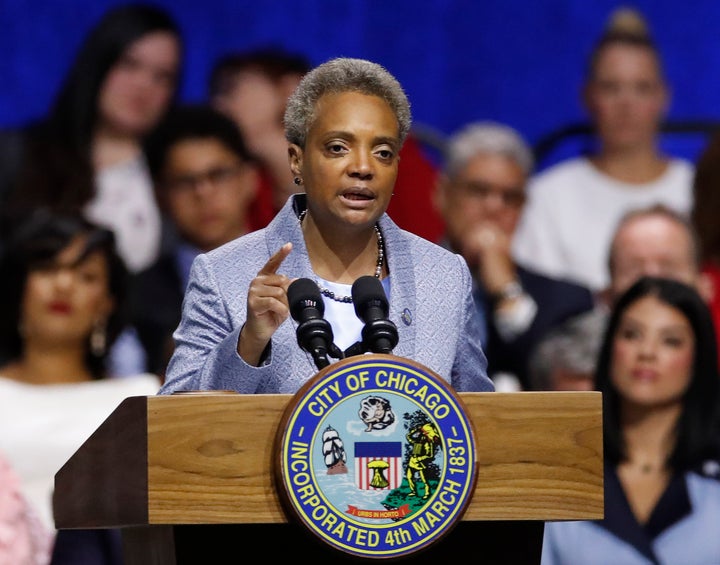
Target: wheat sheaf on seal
376	456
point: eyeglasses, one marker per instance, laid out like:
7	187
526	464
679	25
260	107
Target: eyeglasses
512	197
217	176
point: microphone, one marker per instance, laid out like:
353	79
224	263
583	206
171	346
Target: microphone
314	333
379	335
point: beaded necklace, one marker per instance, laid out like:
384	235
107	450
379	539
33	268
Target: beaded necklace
378	266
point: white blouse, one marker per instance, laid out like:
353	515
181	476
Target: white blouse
41	427
125	203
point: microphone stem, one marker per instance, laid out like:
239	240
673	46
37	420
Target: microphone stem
320	358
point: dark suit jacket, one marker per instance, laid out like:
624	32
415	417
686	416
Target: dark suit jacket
156	306
12	144
557	300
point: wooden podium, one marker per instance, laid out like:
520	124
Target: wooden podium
189	479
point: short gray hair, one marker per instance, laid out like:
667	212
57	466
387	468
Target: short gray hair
574	346
486	137
343	75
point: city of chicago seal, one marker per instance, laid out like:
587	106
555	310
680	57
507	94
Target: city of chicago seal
376	456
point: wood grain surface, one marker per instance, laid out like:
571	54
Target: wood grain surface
210	457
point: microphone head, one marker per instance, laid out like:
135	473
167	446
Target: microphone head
368	292
302	294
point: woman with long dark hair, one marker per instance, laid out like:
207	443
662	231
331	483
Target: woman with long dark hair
658	373
86	156
62	303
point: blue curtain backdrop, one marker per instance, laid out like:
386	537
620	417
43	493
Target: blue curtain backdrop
517	61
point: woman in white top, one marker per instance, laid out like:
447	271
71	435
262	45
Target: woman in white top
62	289
87	154
573	207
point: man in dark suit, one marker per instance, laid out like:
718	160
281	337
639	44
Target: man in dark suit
205	180
481	194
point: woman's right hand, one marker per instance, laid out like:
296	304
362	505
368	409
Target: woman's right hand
267	307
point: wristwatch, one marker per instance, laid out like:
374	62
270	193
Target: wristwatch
510	291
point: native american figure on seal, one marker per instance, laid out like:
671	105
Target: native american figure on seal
424	440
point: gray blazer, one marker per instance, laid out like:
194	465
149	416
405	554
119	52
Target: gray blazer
430	302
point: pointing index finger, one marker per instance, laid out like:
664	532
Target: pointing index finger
271	267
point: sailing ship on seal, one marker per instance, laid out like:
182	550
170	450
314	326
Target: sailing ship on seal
333	452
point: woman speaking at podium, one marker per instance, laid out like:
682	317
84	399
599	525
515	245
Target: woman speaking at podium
345	125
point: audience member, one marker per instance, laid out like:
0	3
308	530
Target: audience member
480	195
345	124
704	217
86	155
253	87
652	241
655	241
658	374
205	181
24	540
565	358
62	289
574	206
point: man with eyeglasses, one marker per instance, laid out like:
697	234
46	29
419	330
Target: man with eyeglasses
205	181
481	194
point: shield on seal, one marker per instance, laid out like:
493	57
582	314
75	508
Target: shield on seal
378	465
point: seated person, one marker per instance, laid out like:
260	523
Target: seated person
205	181
252	88
62	298
565	358
653	241
481	196
647	241
85	156
574	206
656	241
658	374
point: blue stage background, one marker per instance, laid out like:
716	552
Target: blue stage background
516	61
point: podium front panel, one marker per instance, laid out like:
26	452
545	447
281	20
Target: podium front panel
207	459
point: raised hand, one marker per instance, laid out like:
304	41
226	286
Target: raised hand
491	247
267	307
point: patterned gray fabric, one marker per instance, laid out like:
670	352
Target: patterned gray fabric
431	304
